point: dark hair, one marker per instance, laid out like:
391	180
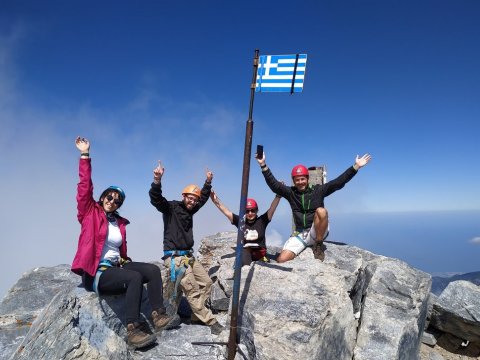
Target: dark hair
116	189
108	191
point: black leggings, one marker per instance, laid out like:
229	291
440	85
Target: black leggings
130	280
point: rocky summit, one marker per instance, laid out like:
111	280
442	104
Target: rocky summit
353	305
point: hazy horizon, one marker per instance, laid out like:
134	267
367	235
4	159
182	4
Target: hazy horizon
458	253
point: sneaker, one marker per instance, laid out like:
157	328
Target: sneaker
137	337
318	252
163	321
216	328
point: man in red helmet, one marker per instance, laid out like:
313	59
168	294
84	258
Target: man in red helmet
185	272
307	204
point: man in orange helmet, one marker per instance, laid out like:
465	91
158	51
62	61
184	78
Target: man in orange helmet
307	204
185	272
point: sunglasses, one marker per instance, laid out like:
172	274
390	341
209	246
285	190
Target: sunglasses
251	211
117	202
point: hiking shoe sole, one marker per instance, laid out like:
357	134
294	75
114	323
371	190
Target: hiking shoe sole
147	342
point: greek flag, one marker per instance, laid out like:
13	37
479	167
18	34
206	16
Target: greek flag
281	73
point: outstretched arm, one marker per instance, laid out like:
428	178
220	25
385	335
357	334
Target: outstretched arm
155	193
205	192
220	206
361	161
83	145
158	173
276	186
339	182
273	206
85	200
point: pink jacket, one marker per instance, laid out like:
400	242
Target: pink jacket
94	225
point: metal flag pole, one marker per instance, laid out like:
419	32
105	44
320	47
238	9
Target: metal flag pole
233	338
292	89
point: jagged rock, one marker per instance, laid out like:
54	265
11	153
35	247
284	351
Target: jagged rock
439	283
299	308
26	300
218	299
431	300
457	311
74	326
304	306
80	325
394	309
429	338
433	355
354	305
216	247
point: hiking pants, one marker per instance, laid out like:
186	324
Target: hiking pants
129	279
196	286
252	254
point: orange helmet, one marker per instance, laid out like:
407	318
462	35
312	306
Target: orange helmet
299	170
191	189
251	204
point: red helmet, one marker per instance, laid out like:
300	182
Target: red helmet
299	170
251	204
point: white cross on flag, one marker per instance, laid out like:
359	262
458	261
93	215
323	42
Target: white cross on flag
281	73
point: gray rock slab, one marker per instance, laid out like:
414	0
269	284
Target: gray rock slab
393	311
26	299
300	307
429	339
354	305
79	325
457	311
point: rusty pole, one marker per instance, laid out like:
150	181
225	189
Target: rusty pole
247	152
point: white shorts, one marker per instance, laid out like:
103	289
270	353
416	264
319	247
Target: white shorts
298	243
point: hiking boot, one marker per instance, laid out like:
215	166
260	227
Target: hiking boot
216	328
196	322
163	321
137	337
318	252
145	328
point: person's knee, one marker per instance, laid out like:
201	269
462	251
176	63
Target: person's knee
321	213
153	272
135	278
285	256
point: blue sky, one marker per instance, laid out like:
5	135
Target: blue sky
170	80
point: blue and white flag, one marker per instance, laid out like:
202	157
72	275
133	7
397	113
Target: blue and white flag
281	73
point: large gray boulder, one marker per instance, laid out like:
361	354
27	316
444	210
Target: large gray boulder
299	308
80	325
394	309
27	299
354	305
457	311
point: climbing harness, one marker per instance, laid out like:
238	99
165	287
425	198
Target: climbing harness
302	236
104	265
176	275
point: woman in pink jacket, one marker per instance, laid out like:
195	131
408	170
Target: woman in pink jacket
102	260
